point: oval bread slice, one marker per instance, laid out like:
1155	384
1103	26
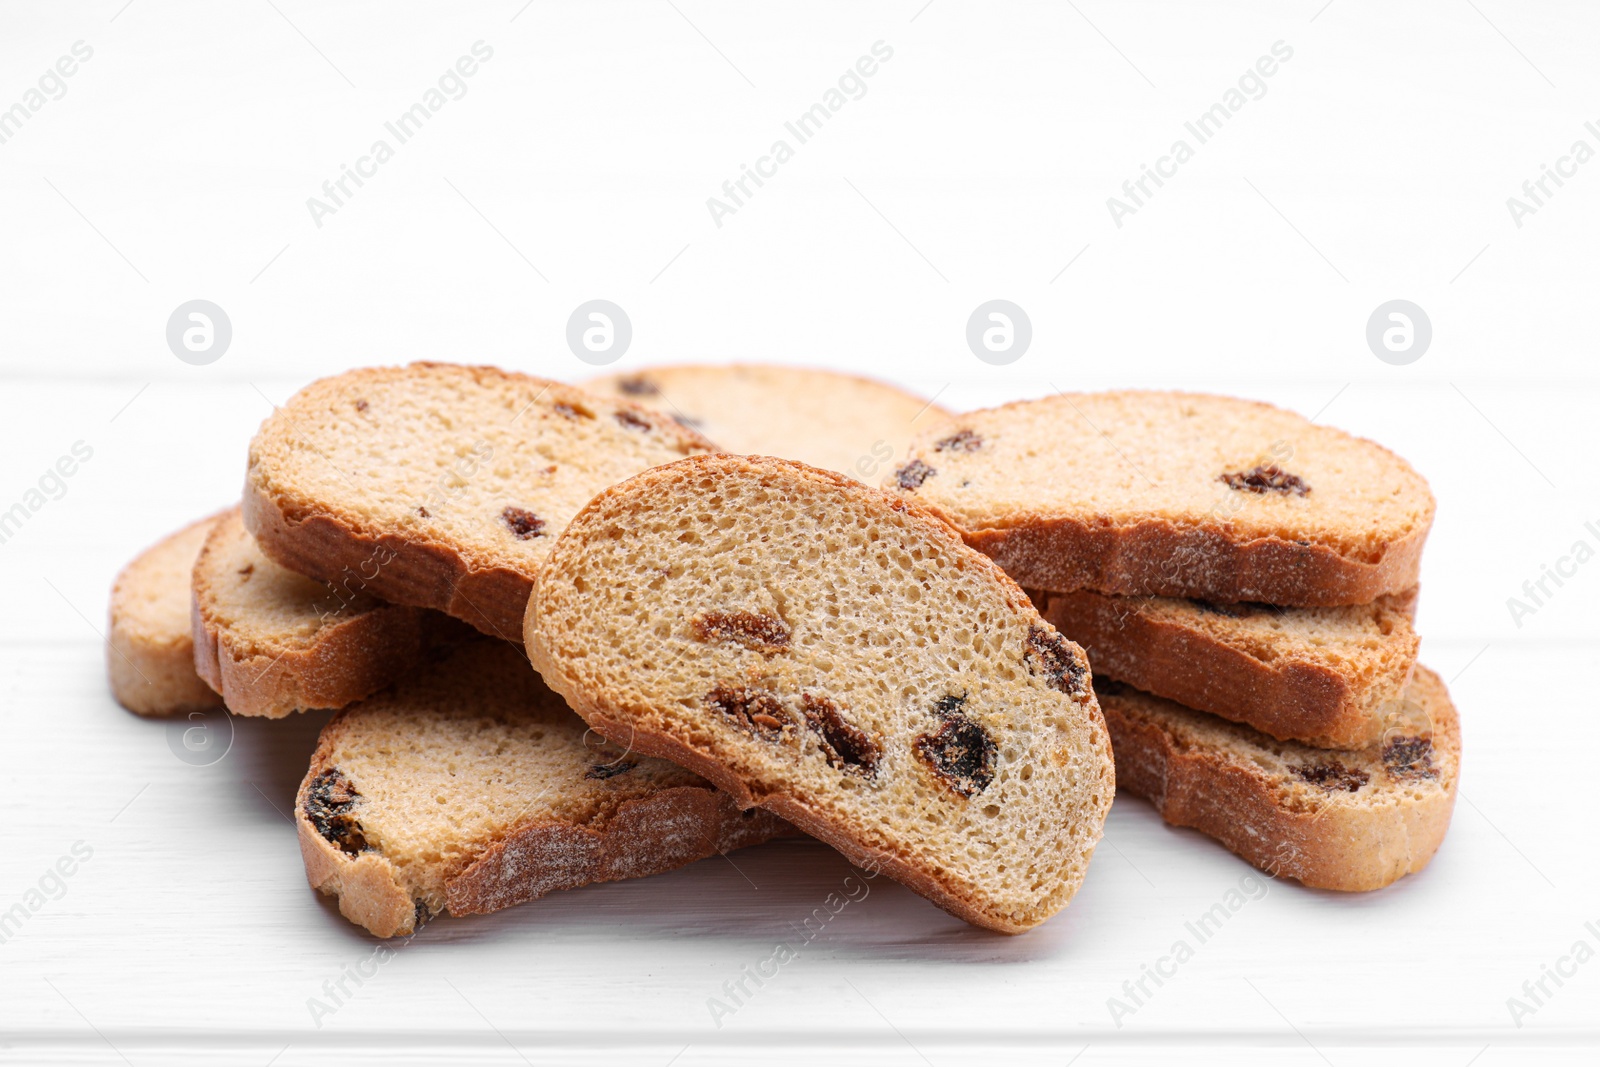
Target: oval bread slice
1349	819
438	485
1175	494
469	786
273	642
150	642
824	651
839	422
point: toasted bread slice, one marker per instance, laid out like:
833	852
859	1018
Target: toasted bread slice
468	786
827	652
149	643
274	642
1351	820
1329	677
441	486
1175	494
839	422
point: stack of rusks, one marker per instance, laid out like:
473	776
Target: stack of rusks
579	634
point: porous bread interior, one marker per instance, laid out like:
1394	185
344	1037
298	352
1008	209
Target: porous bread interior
889	614
265	608
1122	458
467	750
1427	713
839	422
150	601
437	452
1373	647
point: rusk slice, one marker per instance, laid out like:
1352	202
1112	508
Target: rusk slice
468	787
1330	677
840	422
438	485
1175	494
149	646
274	642
832	654
1351	820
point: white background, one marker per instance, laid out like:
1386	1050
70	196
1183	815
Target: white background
977	165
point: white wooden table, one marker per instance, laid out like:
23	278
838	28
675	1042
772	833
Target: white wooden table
177	166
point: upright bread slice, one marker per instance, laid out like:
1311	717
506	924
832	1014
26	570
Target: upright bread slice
1352	819
1329	677
840	422
1175	494
149	647
468	787
822	650
274	642
441	486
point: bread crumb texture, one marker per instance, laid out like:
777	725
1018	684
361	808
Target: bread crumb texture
1158	491
473	786
841	422
821	648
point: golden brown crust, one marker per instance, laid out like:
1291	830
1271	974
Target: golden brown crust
323	539
154	673
398	569
1161	559
1289	696
351	657
1341	844
648	836
1193	553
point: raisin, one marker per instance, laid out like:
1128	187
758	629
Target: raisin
420	914
522	522
1267	479
959	752
960	441
1054	656
630	421
1409	757
247	570
751	710
602	771
913	474
572	411
1332	776
361	405
331	800
845	745
759	632
424	512
638	386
